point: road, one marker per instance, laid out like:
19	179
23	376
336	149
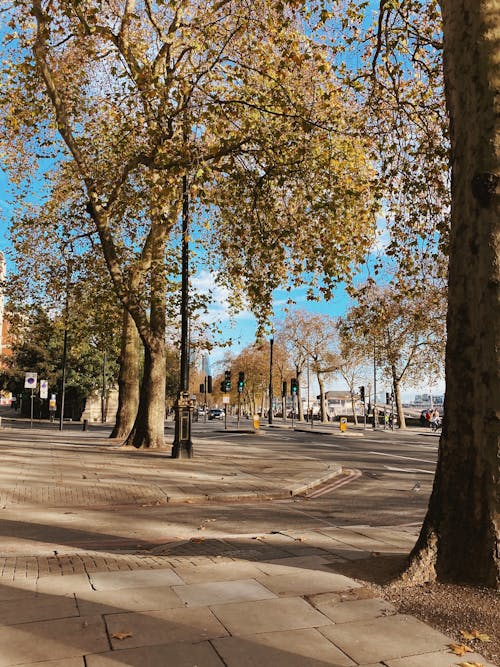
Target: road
389	485
397	470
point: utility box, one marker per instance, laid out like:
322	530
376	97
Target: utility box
343	423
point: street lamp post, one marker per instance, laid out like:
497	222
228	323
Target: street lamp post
375	411
182	447
65	344
271	397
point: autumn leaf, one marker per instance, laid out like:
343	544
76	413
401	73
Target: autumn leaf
460	649
121	635
470	664
475	634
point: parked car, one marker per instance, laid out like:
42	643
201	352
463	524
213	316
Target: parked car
216	413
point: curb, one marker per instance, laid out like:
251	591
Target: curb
258	495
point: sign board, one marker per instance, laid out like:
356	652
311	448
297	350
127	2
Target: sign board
44	388
30	380
225	399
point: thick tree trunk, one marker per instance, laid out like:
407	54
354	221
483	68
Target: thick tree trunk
459	540
300	407
149	426
128	381
322	400
398	399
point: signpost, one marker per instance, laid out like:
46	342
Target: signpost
30	383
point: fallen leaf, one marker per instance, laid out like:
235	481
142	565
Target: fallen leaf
196	540
460	649
475	634
470	664
121	635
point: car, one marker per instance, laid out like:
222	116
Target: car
216	413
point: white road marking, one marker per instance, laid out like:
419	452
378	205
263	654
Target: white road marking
426	472
353	474
406	458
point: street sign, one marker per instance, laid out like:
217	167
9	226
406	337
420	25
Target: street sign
44	388
225	399
30	380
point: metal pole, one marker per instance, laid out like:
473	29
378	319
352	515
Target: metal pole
271	398
103	395
374	385
63	379
182	446
31	418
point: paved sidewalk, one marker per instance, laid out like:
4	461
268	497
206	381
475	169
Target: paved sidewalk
74	597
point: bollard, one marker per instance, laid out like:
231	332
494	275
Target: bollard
256	422
343	424
85	424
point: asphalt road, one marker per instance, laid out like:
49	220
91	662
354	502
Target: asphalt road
397	471
390	485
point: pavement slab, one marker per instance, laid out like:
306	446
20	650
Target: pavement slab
292	648
176	655
163	627
382	639
52	640
308	582
440	659
224	571
222	592
65	662
39	609
249	618
347	611
127	599
105	581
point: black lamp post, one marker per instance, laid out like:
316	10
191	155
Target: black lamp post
271	397
182	447
65	344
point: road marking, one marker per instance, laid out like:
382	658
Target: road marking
345	479
406	458
426	472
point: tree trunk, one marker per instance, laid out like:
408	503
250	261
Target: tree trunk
353	407
128	380
397	399
300	407
460	536
322	400
149	426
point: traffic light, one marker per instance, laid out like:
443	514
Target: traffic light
209	384
202	388
223	387
387	398
283	390
362	394
294	387
227	380
241	382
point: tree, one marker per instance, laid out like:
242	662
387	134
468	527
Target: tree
404	328
460	535
309	337
221	95
352	364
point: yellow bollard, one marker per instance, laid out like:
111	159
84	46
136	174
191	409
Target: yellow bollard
256	422
343	424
